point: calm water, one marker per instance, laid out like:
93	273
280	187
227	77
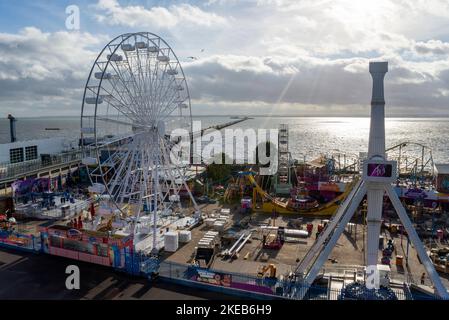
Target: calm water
308	136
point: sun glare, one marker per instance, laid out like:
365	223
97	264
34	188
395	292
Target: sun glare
359	14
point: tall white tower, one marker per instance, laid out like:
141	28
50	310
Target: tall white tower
376	151
376	146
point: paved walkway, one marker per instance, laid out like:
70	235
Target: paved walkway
31	276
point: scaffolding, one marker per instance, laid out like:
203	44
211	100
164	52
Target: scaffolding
283	184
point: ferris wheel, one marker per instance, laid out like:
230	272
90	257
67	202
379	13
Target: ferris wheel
135	94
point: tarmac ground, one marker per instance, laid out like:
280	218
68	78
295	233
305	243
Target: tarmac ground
36	276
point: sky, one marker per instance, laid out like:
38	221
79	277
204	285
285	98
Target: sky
254	57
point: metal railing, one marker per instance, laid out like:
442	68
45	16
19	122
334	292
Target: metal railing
359	272
9	171
35	211
285	289
230	282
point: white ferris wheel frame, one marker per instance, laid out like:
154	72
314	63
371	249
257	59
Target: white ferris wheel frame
159	155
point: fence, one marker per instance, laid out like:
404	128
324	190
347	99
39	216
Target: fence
251	286
243	284
358	272
11	170
224	282
232	283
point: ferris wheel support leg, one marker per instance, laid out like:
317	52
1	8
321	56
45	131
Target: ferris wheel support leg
155	174
414	238
195	205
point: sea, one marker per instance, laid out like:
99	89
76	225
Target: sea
309	137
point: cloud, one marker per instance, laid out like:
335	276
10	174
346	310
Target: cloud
306	56
274	80
113	13
432	47
45	71
304	81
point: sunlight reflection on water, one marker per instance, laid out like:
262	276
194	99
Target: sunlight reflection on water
307	136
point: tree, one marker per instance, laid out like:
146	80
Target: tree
219	171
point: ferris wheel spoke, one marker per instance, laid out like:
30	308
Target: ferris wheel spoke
115	121
152	74
106	119
169	112
136	87
119	97
116	140
124	83
160	82
162	90
169	107
116	183
112	79
122	102
141	74
154	87
146	181
165	167
123	109
136	103
147	73
120	171
125	182
168	95
182	178
140	82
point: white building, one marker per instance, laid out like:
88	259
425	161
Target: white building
21	151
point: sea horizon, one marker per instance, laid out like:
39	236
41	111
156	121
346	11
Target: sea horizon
259	116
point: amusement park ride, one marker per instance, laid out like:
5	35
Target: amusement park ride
378	176
135	93
282	178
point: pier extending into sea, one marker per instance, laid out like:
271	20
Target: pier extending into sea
59	164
